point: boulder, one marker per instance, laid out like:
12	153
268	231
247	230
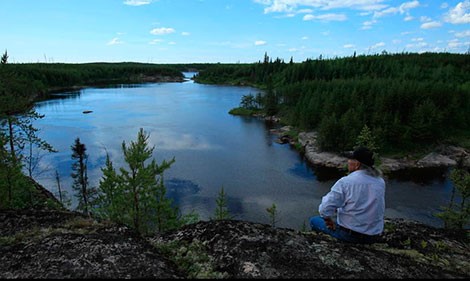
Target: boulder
434	159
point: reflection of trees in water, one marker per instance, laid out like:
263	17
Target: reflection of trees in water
176	189
422	176
179	189
234	206
326	173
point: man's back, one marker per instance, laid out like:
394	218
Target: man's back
360	201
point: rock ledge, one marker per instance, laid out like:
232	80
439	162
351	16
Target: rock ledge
444	157
63	244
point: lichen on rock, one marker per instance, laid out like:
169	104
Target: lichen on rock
62	244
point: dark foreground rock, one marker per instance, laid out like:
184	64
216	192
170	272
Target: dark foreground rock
62	244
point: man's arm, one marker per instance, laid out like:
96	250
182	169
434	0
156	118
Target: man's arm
330	202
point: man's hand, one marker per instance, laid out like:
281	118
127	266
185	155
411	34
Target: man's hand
329	223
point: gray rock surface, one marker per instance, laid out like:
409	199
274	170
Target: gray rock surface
61	244
445	157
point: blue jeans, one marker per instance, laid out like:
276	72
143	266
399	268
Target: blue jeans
317	223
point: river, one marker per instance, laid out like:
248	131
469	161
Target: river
212	149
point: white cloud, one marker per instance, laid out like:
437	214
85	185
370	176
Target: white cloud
155	41
305	11
368	24
115	41
417	44
462	34
378	45
304	38
444	5
402	9
407	6
291	6
137	2
424	18
455	44
408	18
385	12
349	46
162	31
184	33
260	43
459	14
326	17
308	17
431	24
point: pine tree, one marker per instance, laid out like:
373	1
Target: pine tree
137	196
12	185
272	211
270	99
4	58
84	193
111	201
28	136
221	210
62	194
457	214
367	139
16	131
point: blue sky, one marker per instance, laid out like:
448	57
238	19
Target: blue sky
227	31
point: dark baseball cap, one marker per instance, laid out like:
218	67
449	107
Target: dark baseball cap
363	155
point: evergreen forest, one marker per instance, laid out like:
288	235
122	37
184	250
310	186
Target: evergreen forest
410	101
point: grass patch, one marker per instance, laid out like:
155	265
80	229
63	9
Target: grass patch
243	111
192	258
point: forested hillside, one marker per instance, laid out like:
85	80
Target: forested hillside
409	101
35	79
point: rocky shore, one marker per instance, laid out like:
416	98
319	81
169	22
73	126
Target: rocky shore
441	158
62	245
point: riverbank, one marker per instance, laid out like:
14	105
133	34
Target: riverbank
442	157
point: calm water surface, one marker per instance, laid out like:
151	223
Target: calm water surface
212	149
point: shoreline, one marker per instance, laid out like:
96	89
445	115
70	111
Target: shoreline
443	157
75	88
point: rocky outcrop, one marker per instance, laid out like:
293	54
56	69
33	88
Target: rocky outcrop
444	157
62	244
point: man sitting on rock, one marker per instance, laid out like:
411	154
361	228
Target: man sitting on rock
359	201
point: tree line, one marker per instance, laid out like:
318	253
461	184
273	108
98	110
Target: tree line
36	80
408	100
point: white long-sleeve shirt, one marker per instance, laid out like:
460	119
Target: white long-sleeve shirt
359	200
